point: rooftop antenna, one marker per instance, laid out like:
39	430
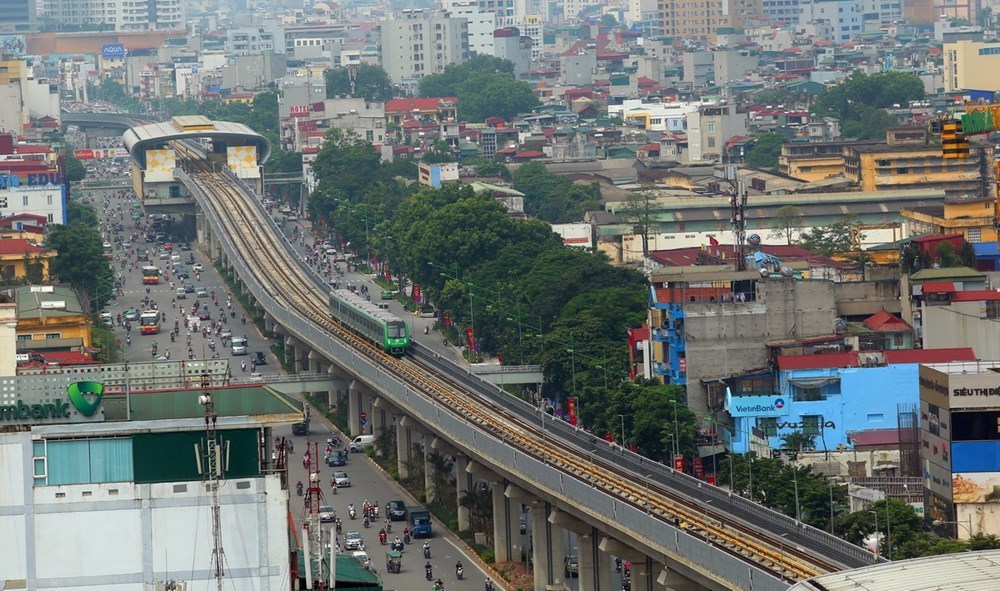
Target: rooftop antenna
212	468
738	208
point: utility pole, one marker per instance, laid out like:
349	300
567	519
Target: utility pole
738	207
314	498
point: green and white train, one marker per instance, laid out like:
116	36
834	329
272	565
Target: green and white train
378	325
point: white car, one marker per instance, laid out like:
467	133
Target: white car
354	541
327	514
342	479
362	557
198	267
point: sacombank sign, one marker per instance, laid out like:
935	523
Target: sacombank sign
756	406
85	397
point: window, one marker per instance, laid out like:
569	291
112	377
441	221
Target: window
812	424
710	127
24	337
24	199
974	235
53	335
807	394
769	425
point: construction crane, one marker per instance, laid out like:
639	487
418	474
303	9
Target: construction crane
978	119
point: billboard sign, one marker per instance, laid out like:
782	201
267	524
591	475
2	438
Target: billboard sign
976	487
113	51
13	45
756	406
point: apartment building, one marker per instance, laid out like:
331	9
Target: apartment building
17	16
417	44
482	23
832	19
123	15
701	19
265	37
508	13
971	64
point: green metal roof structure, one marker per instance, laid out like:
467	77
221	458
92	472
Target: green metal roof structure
237	401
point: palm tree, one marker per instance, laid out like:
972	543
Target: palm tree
441	480
479	501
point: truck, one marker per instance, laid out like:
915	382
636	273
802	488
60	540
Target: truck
420	522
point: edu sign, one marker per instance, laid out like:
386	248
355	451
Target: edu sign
113	50
34	179
756	406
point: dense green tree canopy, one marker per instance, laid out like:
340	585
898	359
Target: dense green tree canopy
554	198
829	240
485	87
446	83
370	82
75	170
847	99
80	260
766	150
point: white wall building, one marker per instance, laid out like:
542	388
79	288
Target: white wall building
839	19
100	497
481	25
123	15
417	44
670	117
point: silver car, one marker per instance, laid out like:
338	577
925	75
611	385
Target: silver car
342	479
354	541
327	514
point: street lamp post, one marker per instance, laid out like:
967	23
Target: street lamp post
622	417
877	545
572	358
605	375
938	522
781	552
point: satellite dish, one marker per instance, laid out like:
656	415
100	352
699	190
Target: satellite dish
753	240
765	273
787	272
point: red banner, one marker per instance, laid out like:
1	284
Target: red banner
468	337
416	292
84	154
699	468
679	463
571	408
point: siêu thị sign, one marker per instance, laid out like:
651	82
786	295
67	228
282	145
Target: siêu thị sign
34	179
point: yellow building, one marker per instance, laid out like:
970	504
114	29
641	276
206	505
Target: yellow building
971	64
20	259
701	19
973	218
11	71
50	318
906	160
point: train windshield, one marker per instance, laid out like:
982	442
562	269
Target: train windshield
397	330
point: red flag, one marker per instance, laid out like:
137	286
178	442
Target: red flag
713	241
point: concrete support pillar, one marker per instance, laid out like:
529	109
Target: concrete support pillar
604	568
463	483
587	561
502	536
402	448
547	567
668	579
290	344
354	394
338	388
429	492
313	360
302	357
376	418
645	575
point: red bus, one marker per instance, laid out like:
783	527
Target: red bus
150	275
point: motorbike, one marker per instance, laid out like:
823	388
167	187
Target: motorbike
427	551
366	523
397	545
298	489
351	512
381	538
428	572
406	537
459	572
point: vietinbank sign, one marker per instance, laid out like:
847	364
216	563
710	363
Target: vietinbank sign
85	397
756	406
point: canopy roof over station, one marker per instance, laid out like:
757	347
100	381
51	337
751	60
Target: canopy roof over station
153	136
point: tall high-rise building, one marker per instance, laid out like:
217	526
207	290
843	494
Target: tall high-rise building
123	15
703	19
17	16
417	44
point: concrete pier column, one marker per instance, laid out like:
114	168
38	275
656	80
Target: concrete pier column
541	546
502	536
402	448
355	392
463	483
587	561
429	492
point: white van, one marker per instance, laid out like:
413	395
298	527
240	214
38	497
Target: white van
359	442
239	346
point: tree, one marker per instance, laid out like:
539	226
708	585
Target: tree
945	255
871	125
890	517
609	21
638	210
786	222
847	99
346	164
553	198
485	95
370	82
446	83
80	260
766	150
81	212
74	169
829	240
798	442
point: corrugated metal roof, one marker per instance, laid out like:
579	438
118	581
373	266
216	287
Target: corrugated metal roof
254	401
965	571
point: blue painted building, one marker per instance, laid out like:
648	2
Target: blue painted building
666	337
832	397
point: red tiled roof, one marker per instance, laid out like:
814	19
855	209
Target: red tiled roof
822	361
930	355
885	322
507	151
67	358
936	238
938	287
649	148
18	246
421	104
975	295
786	252
529	154
32	149
872	437
644	81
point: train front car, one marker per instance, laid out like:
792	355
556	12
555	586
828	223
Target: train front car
397	339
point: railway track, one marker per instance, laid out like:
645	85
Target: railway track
293	286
